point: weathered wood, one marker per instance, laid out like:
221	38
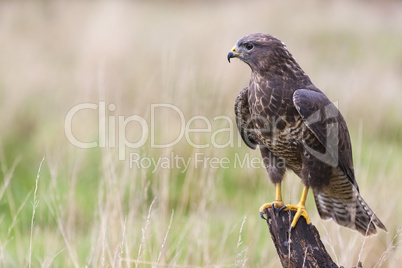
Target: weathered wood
359	265
302	246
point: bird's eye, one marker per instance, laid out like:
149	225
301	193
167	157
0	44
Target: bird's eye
249	46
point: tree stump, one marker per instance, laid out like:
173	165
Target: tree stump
302	246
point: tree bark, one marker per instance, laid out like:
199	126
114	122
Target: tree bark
302	246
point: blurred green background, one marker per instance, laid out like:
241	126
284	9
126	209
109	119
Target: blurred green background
96	210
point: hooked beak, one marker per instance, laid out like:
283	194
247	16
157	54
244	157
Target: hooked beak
232	54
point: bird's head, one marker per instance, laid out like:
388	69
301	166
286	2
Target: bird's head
261	52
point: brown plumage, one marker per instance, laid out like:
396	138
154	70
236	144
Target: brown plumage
289	118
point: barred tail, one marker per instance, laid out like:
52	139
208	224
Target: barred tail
342	202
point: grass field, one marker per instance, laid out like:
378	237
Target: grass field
148	74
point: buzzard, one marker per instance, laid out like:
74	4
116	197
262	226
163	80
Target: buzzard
297	127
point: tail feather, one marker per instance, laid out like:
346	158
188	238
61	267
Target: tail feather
366	216
349	210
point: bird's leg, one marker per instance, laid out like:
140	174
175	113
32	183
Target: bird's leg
299	208
278	203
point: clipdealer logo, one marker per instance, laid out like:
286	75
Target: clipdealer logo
112	134
201	160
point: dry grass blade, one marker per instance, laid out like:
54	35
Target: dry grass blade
395	242
242	254
165	238
144	233
34	206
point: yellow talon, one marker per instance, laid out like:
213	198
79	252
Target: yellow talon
278	203
275	204
300	209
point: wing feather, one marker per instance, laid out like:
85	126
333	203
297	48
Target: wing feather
328	125
243	119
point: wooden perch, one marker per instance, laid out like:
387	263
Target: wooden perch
303	248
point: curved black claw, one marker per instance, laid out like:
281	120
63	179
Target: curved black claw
262	215
276	211
281	209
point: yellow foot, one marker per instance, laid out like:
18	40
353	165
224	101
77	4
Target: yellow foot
275	204
300	211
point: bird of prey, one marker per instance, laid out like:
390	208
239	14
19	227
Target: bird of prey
297	127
